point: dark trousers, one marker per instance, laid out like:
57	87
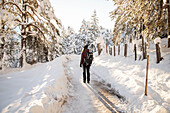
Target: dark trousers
86	69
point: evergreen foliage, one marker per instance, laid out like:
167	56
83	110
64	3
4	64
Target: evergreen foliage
36	27
140	17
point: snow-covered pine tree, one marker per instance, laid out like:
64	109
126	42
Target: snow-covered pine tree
94	31
68	44
79	43
8	36
134	13
141	16
106	34
52	24
90	31
84	33
30	24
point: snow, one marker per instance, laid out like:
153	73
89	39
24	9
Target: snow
34	90
57	86
128	77
157	40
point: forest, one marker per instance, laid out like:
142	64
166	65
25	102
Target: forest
30	31
42	62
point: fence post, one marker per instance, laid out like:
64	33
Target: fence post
125	50
146	83
135	52
158	53
106	49
109	50
99	49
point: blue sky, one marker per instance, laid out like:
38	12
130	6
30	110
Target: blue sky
72	12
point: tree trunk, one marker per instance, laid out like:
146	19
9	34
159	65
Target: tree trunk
125	50
143	48
118	49
1	55
168	42
168	19
160	10
130	39
2	45
158	53
135	52
23	33
114	51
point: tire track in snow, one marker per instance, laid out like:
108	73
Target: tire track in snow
87	98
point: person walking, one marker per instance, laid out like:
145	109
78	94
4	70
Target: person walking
86	61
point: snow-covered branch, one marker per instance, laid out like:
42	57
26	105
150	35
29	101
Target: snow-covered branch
14	5
16	13
37	27
30	15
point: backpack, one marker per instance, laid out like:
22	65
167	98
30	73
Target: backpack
89	58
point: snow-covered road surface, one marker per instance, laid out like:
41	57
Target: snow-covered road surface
88	98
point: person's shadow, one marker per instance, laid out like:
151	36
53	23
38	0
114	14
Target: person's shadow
106	102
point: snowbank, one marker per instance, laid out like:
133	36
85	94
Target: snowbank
42	89
128	77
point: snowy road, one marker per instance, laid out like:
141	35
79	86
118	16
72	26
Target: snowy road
88	98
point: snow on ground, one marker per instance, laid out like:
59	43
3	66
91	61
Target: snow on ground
42	89
87	98
127	76
57	86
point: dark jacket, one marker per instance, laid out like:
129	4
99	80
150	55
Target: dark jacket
84	55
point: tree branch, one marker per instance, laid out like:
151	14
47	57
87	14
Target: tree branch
14	5
30	24
30	15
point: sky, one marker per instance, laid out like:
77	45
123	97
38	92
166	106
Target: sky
72	12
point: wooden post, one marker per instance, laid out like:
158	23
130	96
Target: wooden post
125	50
106	49
135	52
114	51
118	49
109	50
158	54
130	39
146	83
99	49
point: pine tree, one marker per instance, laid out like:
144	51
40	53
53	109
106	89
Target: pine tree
134	14
143	18
69	42
94	32
36	24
